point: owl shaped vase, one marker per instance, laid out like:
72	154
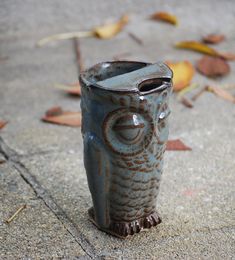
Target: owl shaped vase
125	129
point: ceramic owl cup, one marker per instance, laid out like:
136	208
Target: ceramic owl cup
125	129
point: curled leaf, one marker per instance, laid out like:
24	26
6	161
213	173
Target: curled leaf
165	17
110	30
213	66
182	74
2	124
197	46
177	145
57	116
103	32
203	48
213	38
221	93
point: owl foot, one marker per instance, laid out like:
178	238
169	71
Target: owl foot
125	229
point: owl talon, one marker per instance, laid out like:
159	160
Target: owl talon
125	229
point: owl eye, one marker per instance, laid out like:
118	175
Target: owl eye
129	128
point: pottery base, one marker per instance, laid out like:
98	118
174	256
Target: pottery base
125	229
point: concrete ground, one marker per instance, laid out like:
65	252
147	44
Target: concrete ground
44	163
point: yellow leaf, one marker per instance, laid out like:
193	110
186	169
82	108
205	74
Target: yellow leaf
166	17
182	74
198	47
110	30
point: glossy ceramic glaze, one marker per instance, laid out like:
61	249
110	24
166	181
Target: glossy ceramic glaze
125	129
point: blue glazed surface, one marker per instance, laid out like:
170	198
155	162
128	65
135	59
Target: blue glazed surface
125	128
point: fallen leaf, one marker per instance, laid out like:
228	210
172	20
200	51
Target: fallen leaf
2	161
2	124
197	46
176	145
109	30
186	102
165	17
221	93
62	117
54	111
227	56
213	38
104	32
212	66
182	74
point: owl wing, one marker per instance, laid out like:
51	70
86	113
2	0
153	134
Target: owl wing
97	169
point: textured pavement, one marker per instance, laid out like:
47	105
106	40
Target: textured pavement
44	167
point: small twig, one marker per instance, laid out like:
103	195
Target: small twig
78	54
185	101
135	38
197	95
119	56
15	214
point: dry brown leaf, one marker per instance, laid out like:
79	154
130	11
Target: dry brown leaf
227	56
165	17
2	161
177	145
183	72
213	38
212	66
221	93
54	111
197	46
2	124
57	116
109	30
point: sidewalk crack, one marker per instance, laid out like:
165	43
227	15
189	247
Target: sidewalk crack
12	157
